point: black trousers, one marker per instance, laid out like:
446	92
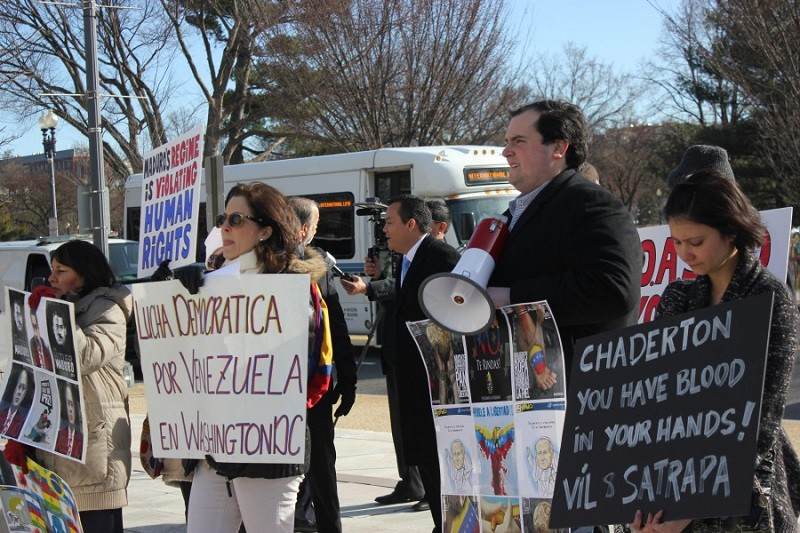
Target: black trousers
319	484
429	472
105	521
409	474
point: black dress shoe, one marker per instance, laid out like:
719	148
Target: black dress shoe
396	496
421	505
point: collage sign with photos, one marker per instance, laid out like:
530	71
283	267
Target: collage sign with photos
499	401
41	404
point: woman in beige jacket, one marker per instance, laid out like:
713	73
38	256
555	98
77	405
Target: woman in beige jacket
81	274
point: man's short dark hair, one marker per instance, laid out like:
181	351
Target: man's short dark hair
439	210
559	120
414	207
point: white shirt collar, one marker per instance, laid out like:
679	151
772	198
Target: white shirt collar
413	251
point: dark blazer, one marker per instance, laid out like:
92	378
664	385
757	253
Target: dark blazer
576	247
432	257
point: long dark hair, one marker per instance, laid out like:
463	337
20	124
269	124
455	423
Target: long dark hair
271	209
88	261
707	197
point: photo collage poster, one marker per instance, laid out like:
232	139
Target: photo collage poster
499	401
41	404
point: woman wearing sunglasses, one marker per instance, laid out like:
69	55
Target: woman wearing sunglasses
261	232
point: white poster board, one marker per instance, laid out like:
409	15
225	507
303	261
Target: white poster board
42	396
170	203
225	370
661	264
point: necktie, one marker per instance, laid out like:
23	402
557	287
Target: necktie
403	269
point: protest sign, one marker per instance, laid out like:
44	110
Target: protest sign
39	502
225	370
498	423
661	264
664	416
170	203
42	400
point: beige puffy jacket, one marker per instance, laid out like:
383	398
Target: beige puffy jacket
102	482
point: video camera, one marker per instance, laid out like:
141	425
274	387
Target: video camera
376	211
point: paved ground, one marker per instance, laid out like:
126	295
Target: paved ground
366	469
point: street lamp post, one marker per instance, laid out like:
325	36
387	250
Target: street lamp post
49	121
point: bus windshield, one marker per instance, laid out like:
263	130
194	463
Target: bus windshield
467	212
123	258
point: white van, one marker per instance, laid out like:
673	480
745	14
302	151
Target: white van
21	262
473	180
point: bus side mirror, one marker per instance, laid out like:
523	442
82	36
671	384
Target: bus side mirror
467	223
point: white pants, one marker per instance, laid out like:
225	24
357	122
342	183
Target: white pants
263	505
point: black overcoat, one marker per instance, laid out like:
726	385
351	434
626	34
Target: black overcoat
575	246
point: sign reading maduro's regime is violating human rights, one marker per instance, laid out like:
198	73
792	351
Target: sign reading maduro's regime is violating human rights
225	370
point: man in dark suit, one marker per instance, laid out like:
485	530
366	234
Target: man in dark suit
381	289
408	221
572	242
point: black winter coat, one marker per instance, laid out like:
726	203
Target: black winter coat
576	247
776	486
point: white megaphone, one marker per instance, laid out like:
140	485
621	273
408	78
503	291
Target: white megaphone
458	300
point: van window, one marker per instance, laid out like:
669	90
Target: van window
123	258
389	185
465	213
336	229
38	267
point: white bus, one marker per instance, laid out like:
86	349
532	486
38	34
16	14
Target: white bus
473	180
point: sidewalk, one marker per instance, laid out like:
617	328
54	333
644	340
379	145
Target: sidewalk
366	468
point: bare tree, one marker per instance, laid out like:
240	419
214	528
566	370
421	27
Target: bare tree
43	53
227	32
605	96
691	83
370	73
761	55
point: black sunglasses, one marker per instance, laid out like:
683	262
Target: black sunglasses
234	219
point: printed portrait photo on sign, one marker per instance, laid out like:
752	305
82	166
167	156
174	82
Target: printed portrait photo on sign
460	514
70	436
538	427
60	337
40	349
19	333
500	515
42	419
538	372
490	363
16	401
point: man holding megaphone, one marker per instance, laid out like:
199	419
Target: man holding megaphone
571	242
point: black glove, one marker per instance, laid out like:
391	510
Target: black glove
347	393
192	277
163	272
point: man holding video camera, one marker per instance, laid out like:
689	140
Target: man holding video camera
380	289
408	221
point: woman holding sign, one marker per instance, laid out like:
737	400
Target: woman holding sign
81	275
716	231
261	232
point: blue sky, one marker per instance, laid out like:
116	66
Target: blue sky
621	32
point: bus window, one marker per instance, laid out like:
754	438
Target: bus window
389	185
465	213
336	228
